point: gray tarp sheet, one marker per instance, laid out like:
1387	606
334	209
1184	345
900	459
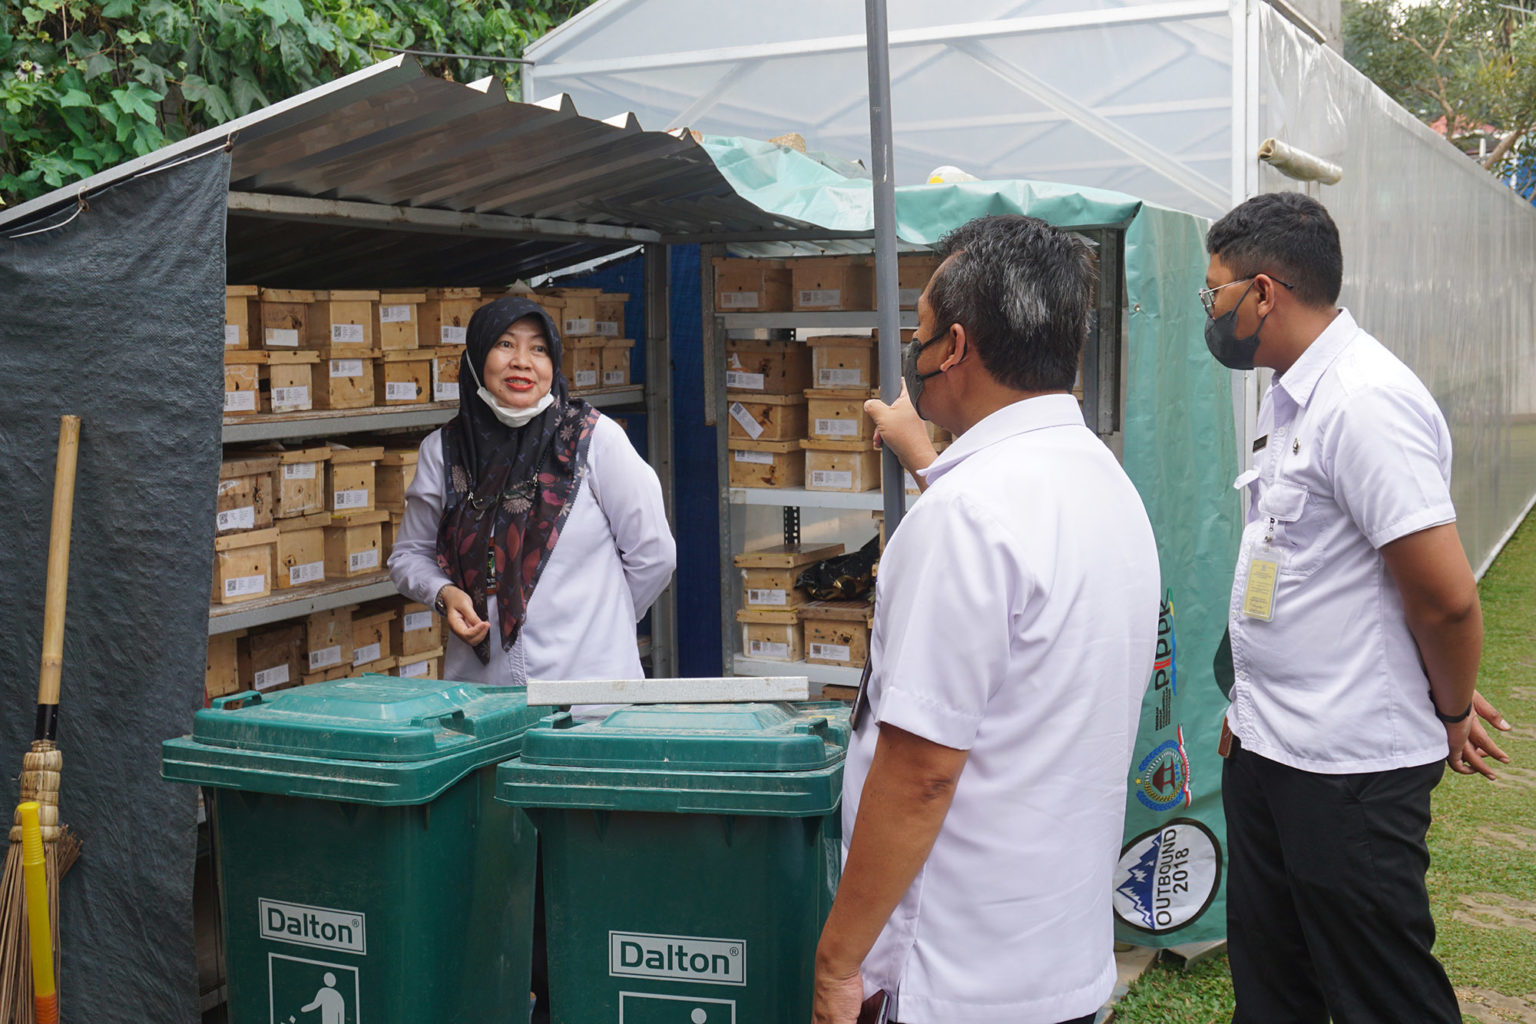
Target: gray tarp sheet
115	316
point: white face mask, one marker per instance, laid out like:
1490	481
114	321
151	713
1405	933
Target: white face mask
512	417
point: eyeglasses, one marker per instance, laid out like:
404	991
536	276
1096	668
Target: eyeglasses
1208	295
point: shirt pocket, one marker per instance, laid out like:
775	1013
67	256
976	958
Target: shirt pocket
1291	512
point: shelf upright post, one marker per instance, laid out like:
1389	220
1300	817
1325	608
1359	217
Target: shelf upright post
715	415
658	428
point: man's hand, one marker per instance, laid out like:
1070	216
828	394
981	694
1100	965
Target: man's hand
461	617
1459	753
1479	744
899	427
837	997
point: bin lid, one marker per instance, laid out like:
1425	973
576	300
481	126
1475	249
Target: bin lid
755	737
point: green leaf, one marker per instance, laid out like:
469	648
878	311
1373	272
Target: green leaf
98	64
117	8
135	99
246	96
216	101
76	98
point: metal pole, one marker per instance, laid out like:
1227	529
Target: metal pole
887	298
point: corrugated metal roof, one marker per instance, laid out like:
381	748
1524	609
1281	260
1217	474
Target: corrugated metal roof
390	177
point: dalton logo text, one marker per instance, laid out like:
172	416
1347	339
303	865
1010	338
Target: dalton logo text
320	927
677	958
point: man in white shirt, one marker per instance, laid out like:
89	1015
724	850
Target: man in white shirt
1015	625
1355	634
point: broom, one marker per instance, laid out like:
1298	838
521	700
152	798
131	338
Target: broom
42	766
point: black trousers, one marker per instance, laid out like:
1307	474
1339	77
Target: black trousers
1327	913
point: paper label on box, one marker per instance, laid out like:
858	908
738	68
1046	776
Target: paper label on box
363	655
767	597
820	296
828	377
225	486
607	328
757	458
613	378
231	335
417	620
836	479
394	314
586	378
579	326
281	337
290	399
309	572
244	586
415	670
239	401
300	470
753	428
267	678
837	428
831	652
347	334
738	300
744	381
342	501
357	561
325	657
399	391
453	335
445	392
908	296
346	367
238	519
765	649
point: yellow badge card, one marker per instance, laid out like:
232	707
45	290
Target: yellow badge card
1259	595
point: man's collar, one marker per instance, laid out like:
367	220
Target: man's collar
1305	372
1016	418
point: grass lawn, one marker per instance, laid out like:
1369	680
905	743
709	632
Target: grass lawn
1482	882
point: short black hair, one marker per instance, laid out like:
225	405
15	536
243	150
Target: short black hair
1023	291
1287	235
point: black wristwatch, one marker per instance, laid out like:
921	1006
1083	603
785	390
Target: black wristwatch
1448	719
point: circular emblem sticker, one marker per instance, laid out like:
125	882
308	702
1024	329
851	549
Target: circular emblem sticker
1162	778
1167	877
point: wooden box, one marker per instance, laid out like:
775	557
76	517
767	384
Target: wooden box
353	543
766	417
344	379
445	374
615	362
838	415
913	271
245	493
328	639
300	482
841	466
417	630
311	678
581	360
837	632
610	314
242	314
242	382
288	381
445	315
284	317
389	530
554	305
342	320
844	362
422	665
752	286
221	675
403	377
768	574
381	667
824	283
301	550
767	367
770	634
242	565
350	475
397	319
371	634
766	464
272	657
394	473
579	318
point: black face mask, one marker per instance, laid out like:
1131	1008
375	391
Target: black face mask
909	374
1221	337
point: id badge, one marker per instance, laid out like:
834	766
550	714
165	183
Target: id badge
1263	577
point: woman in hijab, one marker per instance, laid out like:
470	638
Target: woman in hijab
532	525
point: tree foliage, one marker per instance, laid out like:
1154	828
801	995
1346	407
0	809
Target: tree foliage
87	84
1472	62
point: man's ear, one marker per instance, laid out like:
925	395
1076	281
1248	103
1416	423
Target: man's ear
959	345
1267	290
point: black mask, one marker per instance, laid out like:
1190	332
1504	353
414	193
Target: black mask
909	369
1221	337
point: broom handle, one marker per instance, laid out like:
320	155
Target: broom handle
58	578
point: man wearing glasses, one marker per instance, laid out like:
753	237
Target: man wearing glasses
1355	634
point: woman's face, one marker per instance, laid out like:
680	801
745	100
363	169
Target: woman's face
518	371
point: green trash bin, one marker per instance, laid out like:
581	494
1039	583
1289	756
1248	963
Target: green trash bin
691	852
367	873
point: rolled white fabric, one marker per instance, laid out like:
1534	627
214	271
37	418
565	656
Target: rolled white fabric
1298	163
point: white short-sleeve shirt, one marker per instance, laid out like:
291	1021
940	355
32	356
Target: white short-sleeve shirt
1015	618
1354	454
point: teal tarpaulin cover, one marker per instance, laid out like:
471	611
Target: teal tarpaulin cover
1179	450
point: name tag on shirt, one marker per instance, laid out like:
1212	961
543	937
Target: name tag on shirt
1263	575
